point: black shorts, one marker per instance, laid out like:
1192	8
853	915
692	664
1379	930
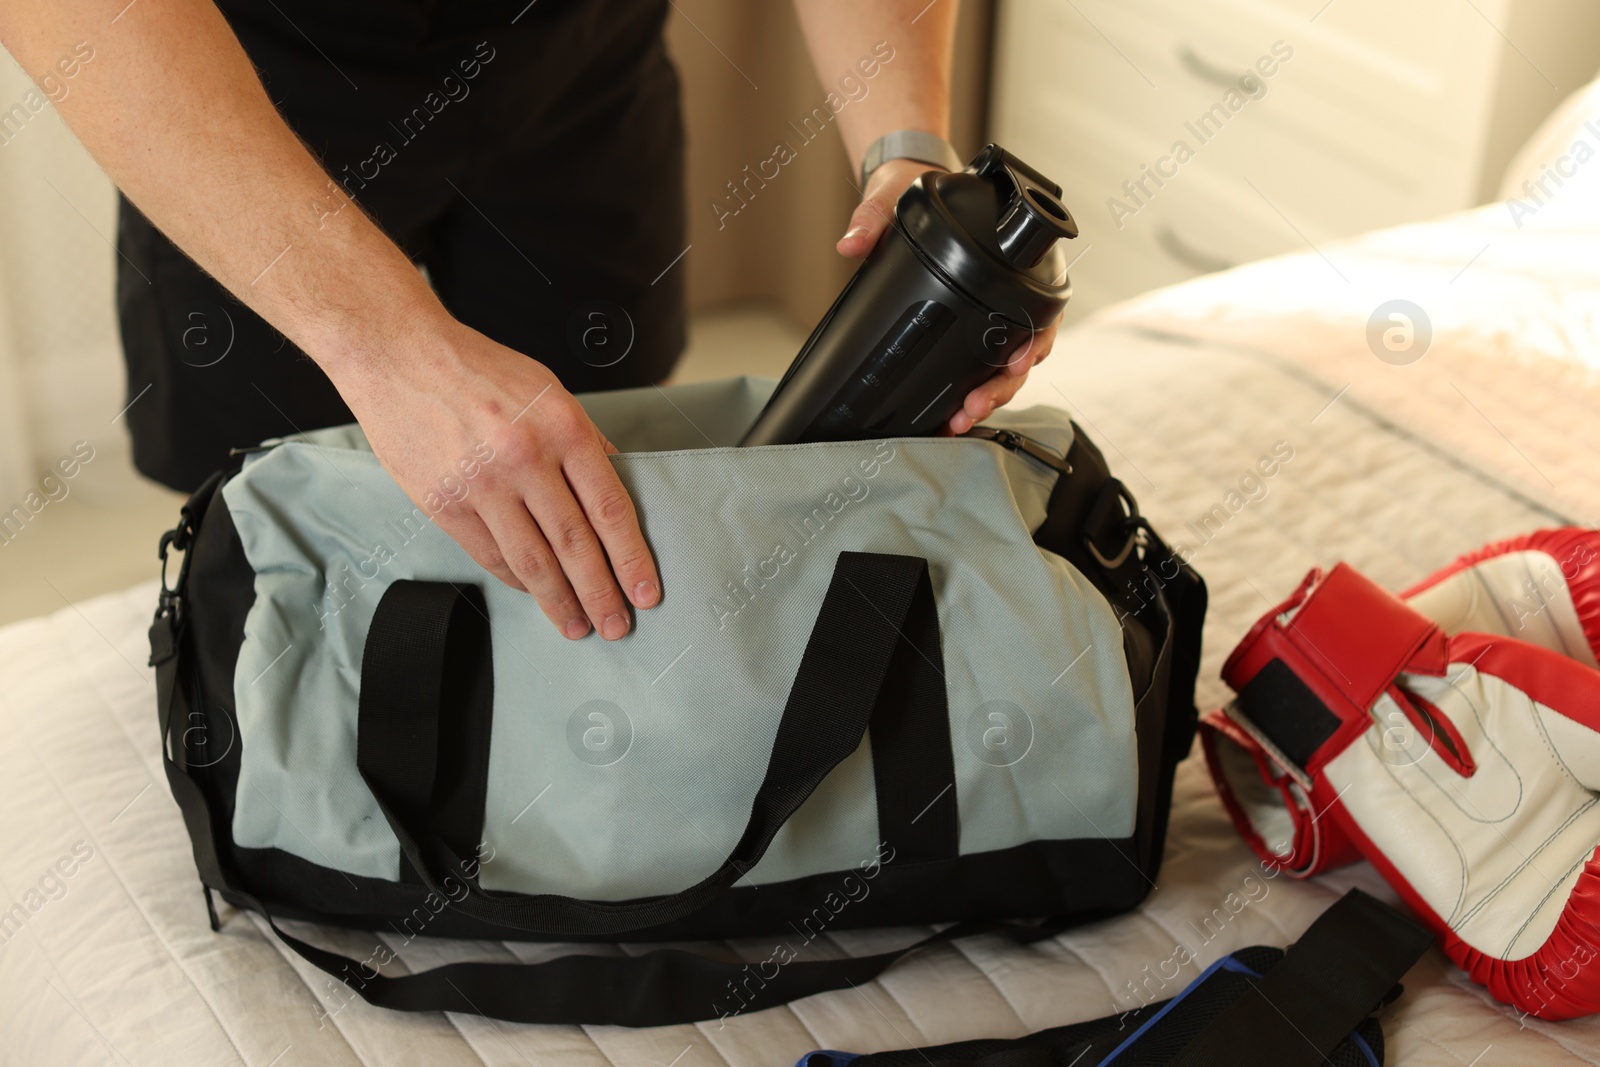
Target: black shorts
530	156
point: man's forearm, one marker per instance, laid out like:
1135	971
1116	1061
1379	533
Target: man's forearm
172	110
910	92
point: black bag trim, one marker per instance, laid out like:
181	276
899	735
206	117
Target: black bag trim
1174	586
166	637
1087	879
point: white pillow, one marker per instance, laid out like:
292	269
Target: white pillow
1557	171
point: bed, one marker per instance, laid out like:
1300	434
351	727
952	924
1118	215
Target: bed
1397	464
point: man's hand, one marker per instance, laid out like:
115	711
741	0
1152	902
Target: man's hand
547	513
868	224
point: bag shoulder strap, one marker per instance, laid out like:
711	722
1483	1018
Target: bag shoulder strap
172	703
1297	1014
1336	975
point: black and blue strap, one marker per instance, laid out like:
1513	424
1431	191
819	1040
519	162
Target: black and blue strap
1312	1005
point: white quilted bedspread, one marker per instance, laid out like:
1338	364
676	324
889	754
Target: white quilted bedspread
1395	468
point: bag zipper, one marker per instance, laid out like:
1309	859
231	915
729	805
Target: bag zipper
1031	447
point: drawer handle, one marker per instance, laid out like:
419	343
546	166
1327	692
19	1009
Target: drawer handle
1205	70
1188	255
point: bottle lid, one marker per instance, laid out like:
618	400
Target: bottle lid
994	232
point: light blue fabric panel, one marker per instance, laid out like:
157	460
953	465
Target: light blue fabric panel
627	769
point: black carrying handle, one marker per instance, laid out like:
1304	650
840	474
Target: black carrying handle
876	606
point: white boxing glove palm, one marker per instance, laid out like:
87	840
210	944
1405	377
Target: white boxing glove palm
1466	768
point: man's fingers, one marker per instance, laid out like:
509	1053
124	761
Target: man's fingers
867	224
1004	384
468	530
1033	351
611	512
994	393
521	548
873	217
982	401
567	530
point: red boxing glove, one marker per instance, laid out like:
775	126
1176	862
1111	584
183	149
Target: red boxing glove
1269	806
1542	587
1465	768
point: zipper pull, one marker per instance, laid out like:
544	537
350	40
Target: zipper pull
1021	443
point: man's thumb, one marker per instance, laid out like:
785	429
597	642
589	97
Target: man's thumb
867	224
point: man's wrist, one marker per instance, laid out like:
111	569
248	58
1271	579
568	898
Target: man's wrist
912	144
365	339
349	293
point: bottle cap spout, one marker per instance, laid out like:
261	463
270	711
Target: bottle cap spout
1034	217
1035	221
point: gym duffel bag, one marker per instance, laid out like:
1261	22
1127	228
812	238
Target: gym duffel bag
892	682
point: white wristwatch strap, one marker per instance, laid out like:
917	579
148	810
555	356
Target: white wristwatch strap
920	145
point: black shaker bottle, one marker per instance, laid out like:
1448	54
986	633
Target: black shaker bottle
971	267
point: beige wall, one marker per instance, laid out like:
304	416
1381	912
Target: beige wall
779	247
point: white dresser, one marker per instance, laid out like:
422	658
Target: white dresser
1355	114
